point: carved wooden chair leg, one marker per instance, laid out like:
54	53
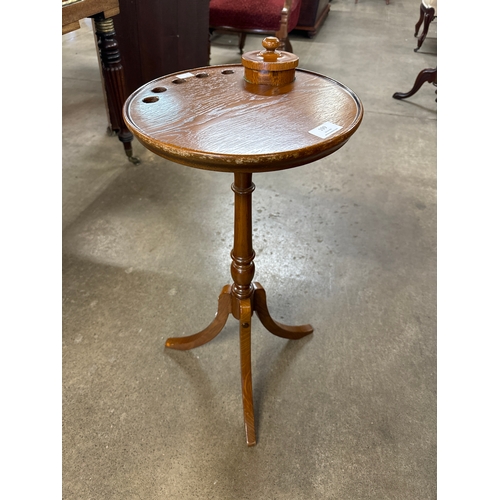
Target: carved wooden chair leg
428	17
246	370
211	331
242	39
282	33
420	20
426	75
278	329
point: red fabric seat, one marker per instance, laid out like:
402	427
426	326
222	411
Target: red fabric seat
252	15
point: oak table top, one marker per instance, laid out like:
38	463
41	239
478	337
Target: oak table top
210	118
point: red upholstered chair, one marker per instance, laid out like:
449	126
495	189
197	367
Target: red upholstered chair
266	17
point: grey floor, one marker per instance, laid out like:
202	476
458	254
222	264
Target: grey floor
347	244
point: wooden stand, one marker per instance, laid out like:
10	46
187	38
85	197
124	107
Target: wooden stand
225	119
241	299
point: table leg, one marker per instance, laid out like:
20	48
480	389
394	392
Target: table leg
278	329
246	370
428	75
241	299
211	331
114	80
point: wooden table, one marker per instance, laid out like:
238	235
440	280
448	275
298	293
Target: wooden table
102	12
210	118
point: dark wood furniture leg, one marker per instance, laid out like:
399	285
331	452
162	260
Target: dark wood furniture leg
114	80
420	20
426	15
242	40
282	34
426	75
241	299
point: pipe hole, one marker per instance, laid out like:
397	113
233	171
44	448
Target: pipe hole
158	90
150	99
201	75
179	80
228	72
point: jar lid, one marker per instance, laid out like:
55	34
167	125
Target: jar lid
270	59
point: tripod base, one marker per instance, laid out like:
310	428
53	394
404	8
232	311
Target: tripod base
242	309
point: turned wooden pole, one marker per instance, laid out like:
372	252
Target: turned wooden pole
242	267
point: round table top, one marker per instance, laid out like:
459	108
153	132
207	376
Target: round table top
210	118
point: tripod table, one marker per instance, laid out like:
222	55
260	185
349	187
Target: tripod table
215	118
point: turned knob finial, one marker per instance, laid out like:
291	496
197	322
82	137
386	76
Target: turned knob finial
271	43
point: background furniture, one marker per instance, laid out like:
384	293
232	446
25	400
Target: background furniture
426	75
101	11
428	12
161	37
312	14
428	9
267	17
213	120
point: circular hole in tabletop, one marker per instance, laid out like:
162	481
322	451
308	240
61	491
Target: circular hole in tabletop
201	75
228	72
158	90
179	80
150	99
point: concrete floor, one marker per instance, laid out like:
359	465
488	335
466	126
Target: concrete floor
347	244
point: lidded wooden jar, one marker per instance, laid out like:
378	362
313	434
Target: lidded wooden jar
270	66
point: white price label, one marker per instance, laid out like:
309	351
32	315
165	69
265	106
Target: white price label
323	131
185	75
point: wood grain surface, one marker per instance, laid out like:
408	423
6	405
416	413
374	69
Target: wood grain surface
213	120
